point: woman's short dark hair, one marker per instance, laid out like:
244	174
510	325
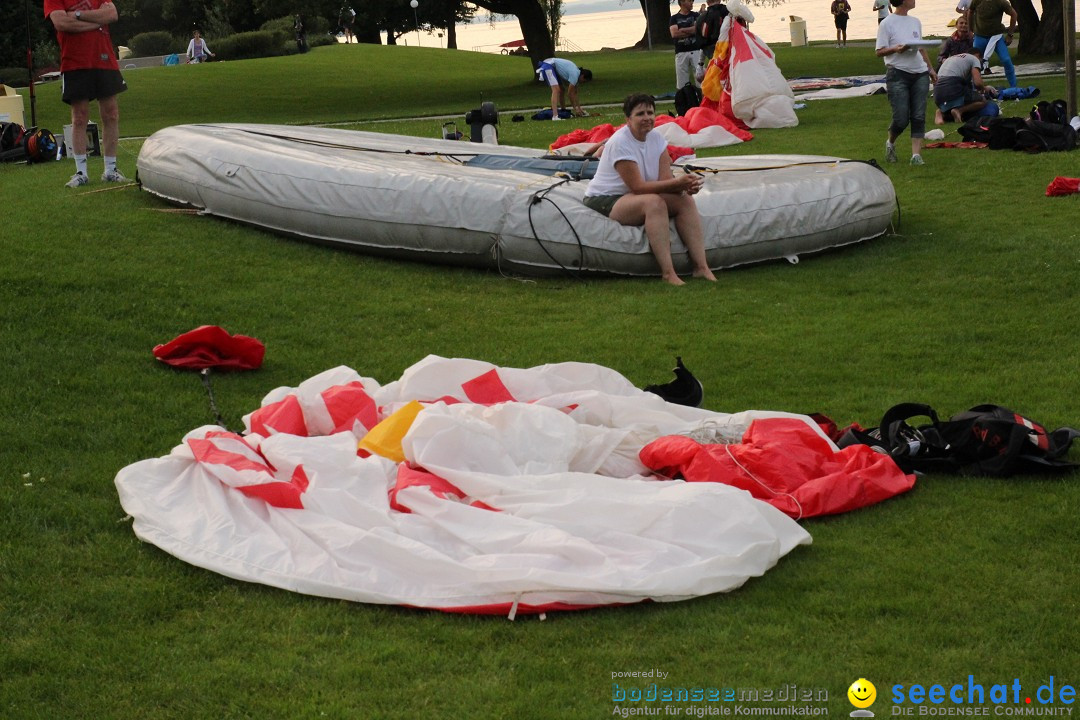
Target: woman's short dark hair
636	99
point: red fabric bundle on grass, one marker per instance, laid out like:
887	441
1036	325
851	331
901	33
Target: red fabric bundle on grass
1063	186
965	145
209	346
601	133
787	464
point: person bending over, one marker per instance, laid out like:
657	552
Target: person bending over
959	90
634	186
557	72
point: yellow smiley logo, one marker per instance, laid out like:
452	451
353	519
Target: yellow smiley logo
862	693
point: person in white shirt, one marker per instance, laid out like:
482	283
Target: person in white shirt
634	186
907	76
881	7
197	51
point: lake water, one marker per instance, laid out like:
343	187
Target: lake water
623	27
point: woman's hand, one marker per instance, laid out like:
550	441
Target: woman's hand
689	183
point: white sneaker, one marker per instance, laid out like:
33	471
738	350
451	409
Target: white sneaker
917	160
890	152
113	176
77	180
556	118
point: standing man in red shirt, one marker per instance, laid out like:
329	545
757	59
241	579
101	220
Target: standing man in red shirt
89	71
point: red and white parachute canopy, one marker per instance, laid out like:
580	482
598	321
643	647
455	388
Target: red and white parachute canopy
743	88
461	487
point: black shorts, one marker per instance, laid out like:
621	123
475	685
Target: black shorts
602	204
840	21
91	84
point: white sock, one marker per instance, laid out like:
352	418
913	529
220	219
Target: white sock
80	163
110	163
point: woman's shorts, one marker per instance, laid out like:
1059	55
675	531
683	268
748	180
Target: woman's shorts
601	203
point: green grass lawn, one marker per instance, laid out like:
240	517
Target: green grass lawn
973	299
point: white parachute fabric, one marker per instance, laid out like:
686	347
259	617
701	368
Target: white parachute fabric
760	95
517	488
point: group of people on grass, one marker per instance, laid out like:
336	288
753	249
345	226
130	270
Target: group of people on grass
959	89
634	183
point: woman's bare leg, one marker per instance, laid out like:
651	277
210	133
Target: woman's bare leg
688	223
651	212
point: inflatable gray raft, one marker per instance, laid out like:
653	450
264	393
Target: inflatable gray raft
498	206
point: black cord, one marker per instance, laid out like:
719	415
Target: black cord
204	375
704	169
536	199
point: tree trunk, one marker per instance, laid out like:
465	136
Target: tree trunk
533	22
1040	36
451	34
368	35
658	14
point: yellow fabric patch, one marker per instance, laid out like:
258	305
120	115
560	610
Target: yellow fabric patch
385	438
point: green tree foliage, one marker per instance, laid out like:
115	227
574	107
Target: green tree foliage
156	42
13	17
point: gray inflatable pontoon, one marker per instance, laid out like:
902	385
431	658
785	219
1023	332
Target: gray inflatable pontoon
498	206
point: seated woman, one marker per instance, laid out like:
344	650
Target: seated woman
197	51
634	186
958	43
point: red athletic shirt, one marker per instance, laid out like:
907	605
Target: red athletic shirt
85	50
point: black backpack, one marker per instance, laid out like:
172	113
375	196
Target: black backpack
1039	136
985	440
12	142
1051	112
997	132
976	129
707	27
688	96
1003	132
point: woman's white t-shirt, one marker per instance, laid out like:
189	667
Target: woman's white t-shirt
900	30
624	146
